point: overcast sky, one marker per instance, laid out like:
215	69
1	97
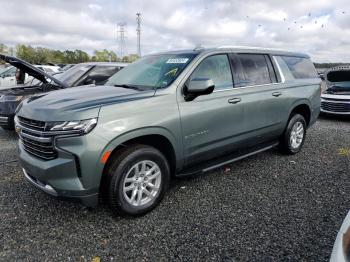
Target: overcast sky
318	27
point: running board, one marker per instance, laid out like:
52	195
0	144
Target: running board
199	171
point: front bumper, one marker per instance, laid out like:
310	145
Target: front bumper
335	106
7	121
71	175
3	120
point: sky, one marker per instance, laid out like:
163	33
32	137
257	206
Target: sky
320	28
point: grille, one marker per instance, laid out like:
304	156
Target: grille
33	124
335	107
35	140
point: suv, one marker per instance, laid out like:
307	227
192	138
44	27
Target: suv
167	114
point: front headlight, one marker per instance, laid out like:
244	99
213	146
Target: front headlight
79	127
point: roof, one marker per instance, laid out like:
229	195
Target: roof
238	49
104	64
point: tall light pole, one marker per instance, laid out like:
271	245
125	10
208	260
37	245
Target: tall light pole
138	30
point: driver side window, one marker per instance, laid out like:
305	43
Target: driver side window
217	68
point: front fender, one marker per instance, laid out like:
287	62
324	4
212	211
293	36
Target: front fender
132	134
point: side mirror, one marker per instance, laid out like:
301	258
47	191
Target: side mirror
322	76
197	87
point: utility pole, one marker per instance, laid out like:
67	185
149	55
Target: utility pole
138	30
121	39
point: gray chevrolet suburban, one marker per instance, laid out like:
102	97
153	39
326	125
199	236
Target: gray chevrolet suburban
167	114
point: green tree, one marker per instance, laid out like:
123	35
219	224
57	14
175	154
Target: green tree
26	53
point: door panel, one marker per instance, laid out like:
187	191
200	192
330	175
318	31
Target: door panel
211	125
263	97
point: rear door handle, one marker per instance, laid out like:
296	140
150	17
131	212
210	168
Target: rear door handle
276	94
234	100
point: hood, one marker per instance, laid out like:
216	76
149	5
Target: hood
31	70
76	103
338	81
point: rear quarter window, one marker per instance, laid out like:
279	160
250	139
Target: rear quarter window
300	67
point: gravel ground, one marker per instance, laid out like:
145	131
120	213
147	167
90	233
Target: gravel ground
268	207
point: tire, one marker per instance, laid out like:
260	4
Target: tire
122	175
291	141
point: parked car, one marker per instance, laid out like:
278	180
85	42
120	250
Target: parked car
174	113
341	248
50	69
66	67
42	82
8	76
336	98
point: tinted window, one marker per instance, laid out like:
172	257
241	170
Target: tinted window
255	69
300	67
218	69
99	75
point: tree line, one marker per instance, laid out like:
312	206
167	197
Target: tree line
41	55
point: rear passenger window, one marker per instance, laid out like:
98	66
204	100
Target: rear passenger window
218	69
300	67
256	69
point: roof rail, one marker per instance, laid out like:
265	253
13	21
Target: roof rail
248	47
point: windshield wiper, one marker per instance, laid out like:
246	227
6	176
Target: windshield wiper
130	87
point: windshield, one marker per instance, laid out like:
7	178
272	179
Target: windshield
8	70
73	74
154	71
4	69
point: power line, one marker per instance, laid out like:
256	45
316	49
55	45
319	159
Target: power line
121	39
138	30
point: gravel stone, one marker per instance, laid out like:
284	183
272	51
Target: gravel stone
266	207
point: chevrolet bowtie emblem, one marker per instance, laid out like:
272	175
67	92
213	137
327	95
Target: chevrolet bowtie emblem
18	129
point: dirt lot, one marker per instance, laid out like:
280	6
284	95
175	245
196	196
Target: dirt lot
269	207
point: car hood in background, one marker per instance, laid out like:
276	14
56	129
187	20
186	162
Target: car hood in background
338	81
31	70
69	104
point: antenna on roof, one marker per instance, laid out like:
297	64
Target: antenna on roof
198	47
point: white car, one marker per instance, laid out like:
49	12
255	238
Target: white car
8	77
335	99
49	69
341	248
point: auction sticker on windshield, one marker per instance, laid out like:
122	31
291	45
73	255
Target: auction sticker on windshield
177	61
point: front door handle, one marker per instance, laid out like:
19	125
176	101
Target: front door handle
234	100
276	94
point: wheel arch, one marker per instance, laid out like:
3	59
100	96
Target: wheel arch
159	138
303	108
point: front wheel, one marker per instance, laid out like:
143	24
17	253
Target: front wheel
138	179
293	137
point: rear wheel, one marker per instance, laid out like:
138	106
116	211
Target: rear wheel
293	137
138	179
